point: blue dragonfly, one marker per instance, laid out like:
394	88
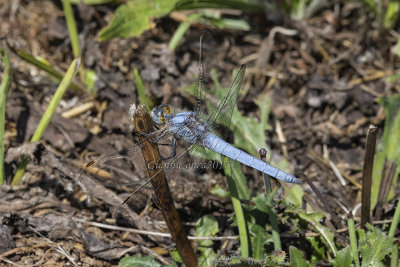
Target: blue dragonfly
196	128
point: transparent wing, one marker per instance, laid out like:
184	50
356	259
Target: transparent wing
205	58
208	101
222	113
178	163
123	170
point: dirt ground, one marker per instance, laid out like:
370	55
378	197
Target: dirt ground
323	83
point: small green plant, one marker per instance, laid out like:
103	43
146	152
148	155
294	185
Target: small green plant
136	16
206	226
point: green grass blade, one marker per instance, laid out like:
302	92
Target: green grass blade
353	240
273	218
237	206
392	14
5	85
143	98
296	258
376	247
327	236
394	259
73	32
183	27
43	66
46	118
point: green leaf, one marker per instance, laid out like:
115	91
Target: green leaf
343	258
207	257
134	17
392	14
129	261
90	80
249	132
263	202
226	23
175	255
218	191
376	247
294	195
318	252
258	237
361	236
297	258
313	219
206	226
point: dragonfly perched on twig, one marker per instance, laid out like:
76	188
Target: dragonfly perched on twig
196	128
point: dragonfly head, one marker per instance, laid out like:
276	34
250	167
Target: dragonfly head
158	114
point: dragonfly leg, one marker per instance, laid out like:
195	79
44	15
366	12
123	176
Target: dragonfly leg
156	133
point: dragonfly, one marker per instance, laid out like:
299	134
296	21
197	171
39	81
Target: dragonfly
197	128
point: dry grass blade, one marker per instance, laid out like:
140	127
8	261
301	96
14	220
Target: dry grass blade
57	247
367	175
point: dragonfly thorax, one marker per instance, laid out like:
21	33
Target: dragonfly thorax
188	126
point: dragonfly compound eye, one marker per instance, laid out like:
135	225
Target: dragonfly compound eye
166	109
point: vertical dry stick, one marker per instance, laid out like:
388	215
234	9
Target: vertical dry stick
144	124
367	175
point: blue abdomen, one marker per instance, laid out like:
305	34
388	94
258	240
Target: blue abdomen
218	145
